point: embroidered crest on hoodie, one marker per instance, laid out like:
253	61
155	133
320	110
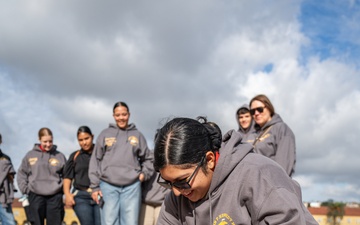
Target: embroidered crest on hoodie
223	219
32	161
134	141
109	141
54	162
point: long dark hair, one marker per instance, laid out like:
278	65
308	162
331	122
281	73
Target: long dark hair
185	141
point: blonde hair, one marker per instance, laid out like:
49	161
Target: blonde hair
44	132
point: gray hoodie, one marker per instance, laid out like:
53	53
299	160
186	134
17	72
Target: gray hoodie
278	143
41	172
119	156
246	188
6	186
153	193
245	132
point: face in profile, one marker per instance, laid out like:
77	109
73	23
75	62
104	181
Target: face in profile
261	114
121	116
85	141
245	120
46	142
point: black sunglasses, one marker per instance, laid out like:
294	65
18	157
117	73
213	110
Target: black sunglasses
259	109
182	184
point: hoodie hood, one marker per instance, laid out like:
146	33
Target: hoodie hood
275	119
232	151
130	126
242	130
37	148
118	130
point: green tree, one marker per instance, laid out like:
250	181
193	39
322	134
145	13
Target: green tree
336	211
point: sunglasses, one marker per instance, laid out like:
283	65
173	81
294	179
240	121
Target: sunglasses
182	184
259	109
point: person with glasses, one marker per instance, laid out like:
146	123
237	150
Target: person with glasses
245	121
236	186
272	138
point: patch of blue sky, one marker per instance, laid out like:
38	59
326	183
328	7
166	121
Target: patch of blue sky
268	68
333	29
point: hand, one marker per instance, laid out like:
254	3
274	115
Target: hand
69	200
141	177
95	195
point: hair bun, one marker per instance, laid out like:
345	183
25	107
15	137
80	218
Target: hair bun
214	132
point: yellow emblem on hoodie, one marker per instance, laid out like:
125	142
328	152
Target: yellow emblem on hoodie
264	137
32	161
109	141
134	141
54	162
223	219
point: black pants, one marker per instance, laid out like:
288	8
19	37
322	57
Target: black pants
50	207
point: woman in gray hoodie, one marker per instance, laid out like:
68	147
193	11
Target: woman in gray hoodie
40	176
272	137
119	163
237	187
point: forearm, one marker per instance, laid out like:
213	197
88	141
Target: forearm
67	186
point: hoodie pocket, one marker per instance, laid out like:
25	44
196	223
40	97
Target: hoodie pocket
120	175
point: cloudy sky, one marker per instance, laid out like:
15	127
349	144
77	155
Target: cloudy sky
64	64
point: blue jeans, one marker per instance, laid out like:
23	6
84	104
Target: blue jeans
6	215
121	204
87	211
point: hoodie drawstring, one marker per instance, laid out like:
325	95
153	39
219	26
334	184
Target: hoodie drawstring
210	208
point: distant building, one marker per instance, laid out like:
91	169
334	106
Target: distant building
352	205
351	216
315	204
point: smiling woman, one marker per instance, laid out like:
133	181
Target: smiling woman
272	137
40	176
208	189
119	163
